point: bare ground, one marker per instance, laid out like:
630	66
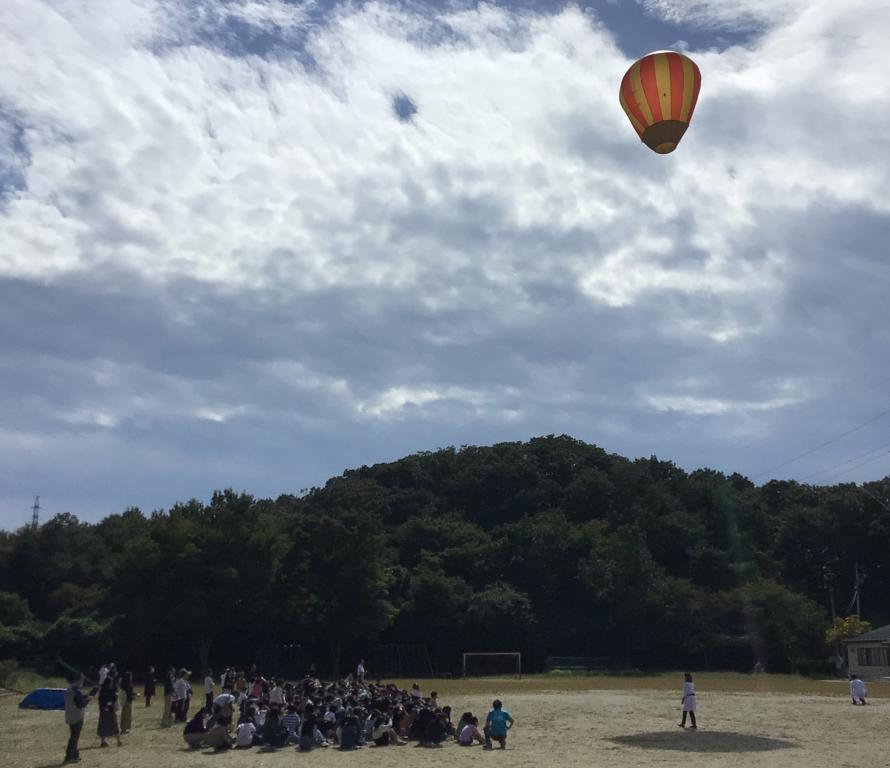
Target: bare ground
560	723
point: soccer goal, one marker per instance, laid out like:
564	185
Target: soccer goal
492	664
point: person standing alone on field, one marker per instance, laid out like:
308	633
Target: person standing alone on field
75	704
497	724
688	701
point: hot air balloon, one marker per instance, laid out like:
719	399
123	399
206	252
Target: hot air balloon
658	94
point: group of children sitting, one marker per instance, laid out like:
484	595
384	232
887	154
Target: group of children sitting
349	714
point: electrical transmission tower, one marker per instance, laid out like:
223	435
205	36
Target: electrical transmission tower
35	512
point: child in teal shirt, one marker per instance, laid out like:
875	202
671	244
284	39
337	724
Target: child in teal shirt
497	724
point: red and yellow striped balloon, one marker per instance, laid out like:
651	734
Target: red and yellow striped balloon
658	94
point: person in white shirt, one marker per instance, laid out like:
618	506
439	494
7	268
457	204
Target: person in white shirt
688	701
245	734
415	692
181	692
276	695
208	691
857	690
360	672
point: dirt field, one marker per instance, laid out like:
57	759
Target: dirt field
560	723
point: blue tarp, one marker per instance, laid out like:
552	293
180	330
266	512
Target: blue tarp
44	698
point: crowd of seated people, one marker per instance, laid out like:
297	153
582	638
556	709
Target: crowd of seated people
252	712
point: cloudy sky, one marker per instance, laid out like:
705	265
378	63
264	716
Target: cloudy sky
252	243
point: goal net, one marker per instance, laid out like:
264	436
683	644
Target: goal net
492	664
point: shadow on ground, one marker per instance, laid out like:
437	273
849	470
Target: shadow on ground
703	741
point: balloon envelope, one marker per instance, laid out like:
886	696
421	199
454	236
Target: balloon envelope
658	94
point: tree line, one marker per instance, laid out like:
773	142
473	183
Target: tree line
550	547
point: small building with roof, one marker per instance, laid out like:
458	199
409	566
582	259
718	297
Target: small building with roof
867	655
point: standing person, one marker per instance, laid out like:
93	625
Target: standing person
108	712
128	695
169	680
360	672
188	697
208	691
149	690
688	701
276	695
75	704
497	723
181	692
857	690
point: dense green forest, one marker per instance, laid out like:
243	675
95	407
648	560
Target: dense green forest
550	547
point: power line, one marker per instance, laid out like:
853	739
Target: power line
846	461
850	377
856	466
823	445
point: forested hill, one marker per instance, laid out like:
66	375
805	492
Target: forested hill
551	547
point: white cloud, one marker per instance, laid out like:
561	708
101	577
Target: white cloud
396	398
219	415
305	263
724	13
392	402
710	406
255	172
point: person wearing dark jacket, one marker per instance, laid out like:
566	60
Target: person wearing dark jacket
149	690
128	694
169	680
195	731
108	712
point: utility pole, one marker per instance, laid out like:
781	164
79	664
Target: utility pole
858	581
35	513
828	581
